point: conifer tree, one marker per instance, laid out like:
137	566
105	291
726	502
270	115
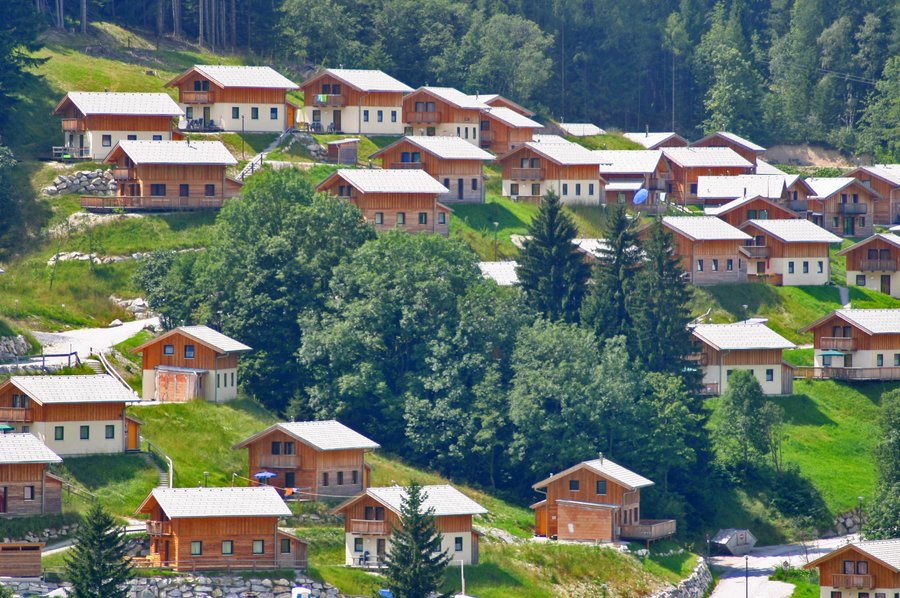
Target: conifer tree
96	565
552	272
415	562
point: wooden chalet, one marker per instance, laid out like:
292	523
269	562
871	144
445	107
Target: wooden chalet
190	362
856	344
652	141
219	528
861	569
310	459
166	176
739	211
872	263
407	199
792	252
717	190
94	122
504	129
567	169
688	164
710	249
26	487
627	171
844	206
218	97
73	415
443	111
496	100
720	349
451	161
883	179
744	147
370	518
355	101
597	501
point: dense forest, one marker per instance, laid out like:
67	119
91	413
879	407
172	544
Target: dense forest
825	71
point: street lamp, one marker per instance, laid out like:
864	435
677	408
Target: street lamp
206	479
496	228
242	136
746	576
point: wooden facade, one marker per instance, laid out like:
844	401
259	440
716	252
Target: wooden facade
501	102
28	489
422	108
717	140
851	571
757	208
683	180
712	261
887	211
849	212
20	559
326	90
464	178
500	137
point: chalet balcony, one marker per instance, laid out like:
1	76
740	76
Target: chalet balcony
755	251
74	125
698	359
527	174
711	389
324	100
837	343
279	461
797	205
423	118
649	529
197	97
407	165
16	414
131	203
878	265
122	174
159	528
852	209
857	582
64	152
369	527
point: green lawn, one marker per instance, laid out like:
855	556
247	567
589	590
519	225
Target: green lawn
609	141
120	482
806	583
799	356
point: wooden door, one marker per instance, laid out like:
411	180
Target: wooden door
206	119
3	499
337	120
459	188
848	361
849	226
886	284
380	545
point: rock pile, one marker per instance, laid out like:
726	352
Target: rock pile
12	347
319	153
138	306
848	523
94	182
51	533
77	256
694	586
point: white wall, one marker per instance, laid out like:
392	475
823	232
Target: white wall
781	266
226	390
370	544
825	592
468	130
712	374
861	359
570	197
94	140
71	444
873	280
352	119
220	113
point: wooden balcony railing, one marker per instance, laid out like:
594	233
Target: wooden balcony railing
755	251
837	343
279	461
369	527
847	374
699	359
329	99
710	389
73	124
150	204
649	529
797	205
122	174
852	208
159	528
878	265
16	414
527	174
861	582
197	97
407	165
227	563
62	152
423	117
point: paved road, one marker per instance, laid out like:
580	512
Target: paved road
84	341
761	565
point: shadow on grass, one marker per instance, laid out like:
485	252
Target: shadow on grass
733	298
181	222
485	575
800	410
102	470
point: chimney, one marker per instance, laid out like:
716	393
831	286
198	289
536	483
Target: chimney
646	130
601	457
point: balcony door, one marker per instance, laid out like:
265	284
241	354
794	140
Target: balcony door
336	119
459	189
850	226
2	499
206	116
848	360
886	284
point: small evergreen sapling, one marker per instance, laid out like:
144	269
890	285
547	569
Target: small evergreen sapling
97	565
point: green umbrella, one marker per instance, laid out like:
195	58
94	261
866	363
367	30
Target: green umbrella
6	428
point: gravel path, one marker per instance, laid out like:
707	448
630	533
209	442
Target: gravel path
85	341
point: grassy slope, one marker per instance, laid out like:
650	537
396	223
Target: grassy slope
120	482
609	141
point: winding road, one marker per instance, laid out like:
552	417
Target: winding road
85	341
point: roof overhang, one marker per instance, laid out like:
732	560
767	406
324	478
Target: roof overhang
846	548
188	72
153	341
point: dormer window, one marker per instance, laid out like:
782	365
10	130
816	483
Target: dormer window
601	487
201	85
574	485
189	351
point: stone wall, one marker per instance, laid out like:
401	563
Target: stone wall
847	523
89	182
12	347
695	586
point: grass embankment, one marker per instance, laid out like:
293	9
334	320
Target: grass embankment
806	583
608	141
120	482
298	152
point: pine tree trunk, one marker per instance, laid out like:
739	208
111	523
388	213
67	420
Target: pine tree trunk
176	19
60	14
84	19
233	24
223	13
200	28
160	17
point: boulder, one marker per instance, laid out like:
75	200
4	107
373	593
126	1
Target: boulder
115	323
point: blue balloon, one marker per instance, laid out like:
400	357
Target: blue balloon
641	196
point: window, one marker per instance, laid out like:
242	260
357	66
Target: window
601	487
259	546
157	138
514	189
423	217
273	113
715	265
285	546
699	265
290	479
289	447
474	184
357	544
565	189
459	133
770	375
729	265
254	113
29	492
354	477
806	267
862	567
58	433
751	214
458	544
201	85
365	116
836	594
693	188
106	140
862	222
189	112
235	112
196	548
379	116
834	222
861	280
324	478
340	478
442	218
379	513
317	116
821	267
219	380
393	116
227	547
447	183
132	138
276	448
879	360
577	188
401	218
843	198
168	349
209	190
379	217
184	190
574	485
790	267
232	378
826	361
536	189
157	190
85	432
189	351
110	431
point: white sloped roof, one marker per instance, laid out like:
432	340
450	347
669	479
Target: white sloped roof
650	140
73	389
705	228
727	207
570	154
246	76
214	339
889	172
744	185
624	184
581	129
503	273
444	499
628	161
606	468
887	238
538	138
710	157
591	246
887	551
117	103
25	448
511	118
456	97
327	435
796	230
874	321
828	186
391	181
763	167
257	501
736	139
369	80
178	152
741	336
449	148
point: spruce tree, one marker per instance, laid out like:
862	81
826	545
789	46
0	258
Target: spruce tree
415	562
552	271
97	565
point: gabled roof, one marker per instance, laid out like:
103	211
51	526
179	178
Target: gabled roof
564	154
257	77
870	321
653	140
119	104
444	499
887	238
204	335
444	147
606	468
58	390
25	448
705	228
503	273
886	552
889	173
591	247
628	161
326	435
740	337
182	503
705	157
736	139
825	187
387	181
581	129
794	230
493	99
363	80
734	204
175	152
511	118
744	185
454	97
763	167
